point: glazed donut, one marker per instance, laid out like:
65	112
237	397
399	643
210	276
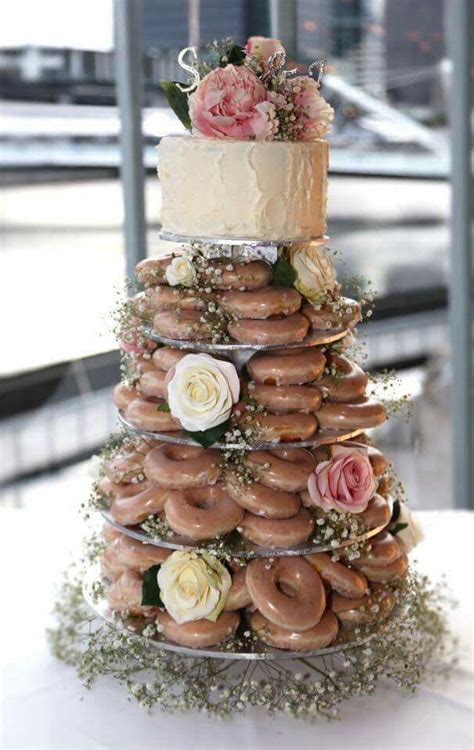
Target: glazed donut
125	553
386	573
202	513
170	298
281	428
342	579
143	307
110	533
199	633
271	532
165	357
151	384
287	469
289	593
125	466
261	304
347	385
182	325
271	332
182	467
109	489
346	314
125	595
360	414
319	636
287	367
377	513
134	503
355	611
282	399
239	596
252	275
146	416
151	271
383	551
123	395
261	500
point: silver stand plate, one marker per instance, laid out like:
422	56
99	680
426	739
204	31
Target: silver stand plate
235	545
232	650
323	437
315	338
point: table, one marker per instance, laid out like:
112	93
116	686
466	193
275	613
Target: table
45	706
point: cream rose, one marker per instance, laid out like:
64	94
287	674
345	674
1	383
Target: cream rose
202	391
193	586
412	534
315	272
180	271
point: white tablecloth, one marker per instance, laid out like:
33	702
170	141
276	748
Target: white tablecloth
45	706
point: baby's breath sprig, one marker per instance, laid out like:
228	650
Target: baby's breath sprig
386	386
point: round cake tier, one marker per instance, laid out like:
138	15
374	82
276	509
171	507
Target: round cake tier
323	437
235	545
262	190
240	647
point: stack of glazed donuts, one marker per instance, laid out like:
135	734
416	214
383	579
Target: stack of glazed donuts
291	602
201	499
300	396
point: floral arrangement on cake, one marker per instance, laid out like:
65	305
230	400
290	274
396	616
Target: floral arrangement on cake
245	93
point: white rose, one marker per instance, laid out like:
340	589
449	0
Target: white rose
202	391
193	586
180	271
412	534
315	272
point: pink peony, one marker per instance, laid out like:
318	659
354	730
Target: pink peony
345	483
231	102
263	47
312	111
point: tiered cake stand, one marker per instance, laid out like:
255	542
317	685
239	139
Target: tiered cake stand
239	354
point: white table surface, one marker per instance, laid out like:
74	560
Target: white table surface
45	706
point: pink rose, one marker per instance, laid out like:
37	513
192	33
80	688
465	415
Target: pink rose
313	113
345	483
231	102
263	47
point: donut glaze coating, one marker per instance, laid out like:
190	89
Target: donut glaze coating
283	399
300	609
199	633
348	385
147	416
261	304
270	532
358	415
125	595
342	579
181	467
134	503
319	636
272	331
287	367
239	596
261	500
203	513
287	469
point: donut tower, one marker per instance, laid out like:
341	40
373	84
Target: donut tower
246	507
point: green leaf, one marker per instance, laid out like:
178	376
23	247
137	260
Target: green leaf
235	56
398	527
283	273
395	511
178	101
150	591
206	438
164	407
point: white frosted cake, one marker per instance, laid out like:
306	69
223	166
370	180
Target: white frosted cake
245	189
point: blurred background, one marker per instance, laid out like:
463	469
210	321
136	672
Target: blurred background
62	245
